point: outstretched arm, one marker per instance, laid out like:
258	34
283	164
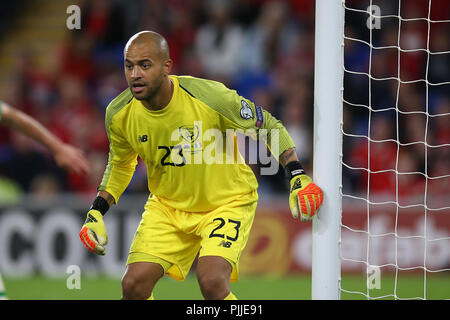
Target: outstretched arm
65	155
238	112
122	162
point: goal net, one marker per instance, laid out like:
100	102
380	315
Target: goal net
395	225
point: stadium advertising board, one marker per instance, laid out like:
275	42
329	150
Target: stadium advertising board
45	239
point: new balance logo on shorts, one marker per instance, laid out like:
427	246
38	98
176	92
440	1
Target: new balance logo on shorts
225	244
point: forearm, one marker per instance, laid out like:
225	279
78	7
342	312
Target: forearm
117	177
107	196
279	141
27	125
287	156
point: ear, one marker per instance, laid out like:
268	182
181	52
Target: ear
167	66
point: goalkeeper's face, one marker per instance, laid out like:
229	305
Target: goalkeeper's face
145	70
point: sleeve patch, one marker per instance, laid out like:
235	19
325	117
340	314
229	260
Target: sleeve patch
259	116
246	111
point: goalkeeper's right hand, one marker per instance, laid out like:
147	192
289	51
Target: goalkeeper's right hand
93	232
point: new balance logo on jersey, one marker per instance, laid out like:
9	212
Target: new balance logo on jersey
225	244
143	138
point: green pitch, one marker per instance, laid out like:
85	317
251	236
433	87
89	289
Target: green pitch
251	288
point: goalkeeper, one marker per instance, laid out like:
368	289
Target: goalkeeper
204	208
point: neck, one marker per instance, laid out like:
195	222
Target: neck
162	98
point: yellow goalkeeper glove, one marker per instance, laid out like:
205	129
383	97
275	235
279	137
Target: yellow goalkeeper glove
93	232
305	196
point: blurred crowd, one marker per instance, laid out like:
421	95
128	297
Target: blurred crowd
404	106
265	50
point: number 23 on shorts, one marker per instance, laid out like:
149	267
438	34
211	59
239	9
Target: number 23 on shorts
217	230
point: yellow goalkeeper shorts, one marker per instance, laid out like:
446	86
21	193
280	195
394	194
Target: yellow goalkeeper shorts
173	238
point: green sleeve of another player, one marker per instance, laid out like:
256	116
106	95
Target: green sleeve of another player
240	113
1	110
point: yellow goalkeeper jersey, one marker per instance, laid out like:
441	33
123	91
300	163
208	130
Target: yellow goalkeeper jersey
189	147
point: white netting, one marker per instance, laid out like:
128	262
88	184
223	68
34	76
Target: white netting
396	153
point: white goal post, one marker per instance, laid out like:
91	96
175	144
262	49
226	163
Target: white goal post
328	90
388	134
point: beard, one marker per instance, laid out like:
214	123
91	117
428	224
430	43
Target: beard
150	91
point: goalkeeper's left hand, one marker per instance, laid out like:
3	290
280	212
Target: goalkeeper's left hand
305	196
